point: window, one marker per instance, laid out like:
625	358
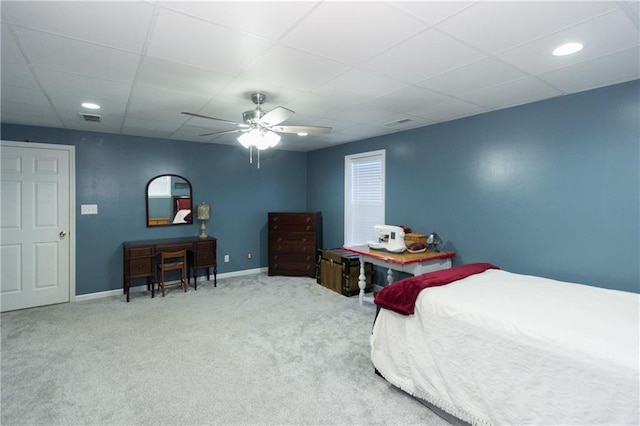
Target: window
363	196
160	187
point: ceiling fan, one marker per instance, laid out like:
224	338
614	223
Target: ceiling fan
261	122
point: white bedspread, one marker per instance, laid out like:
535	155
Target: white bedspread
181	215
507	349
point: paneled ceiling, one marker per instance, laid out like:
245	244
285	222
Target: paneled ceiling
364	68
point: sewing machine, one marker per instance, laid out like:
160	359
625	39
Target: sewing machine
390	238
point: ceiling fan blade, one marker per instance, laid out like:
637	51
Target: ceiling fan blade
301	129
225	132
276	116
213	118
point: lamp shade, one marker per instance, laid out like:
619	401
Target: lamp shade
203	212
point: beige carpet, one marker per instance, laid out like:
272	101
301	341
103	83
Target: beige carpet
254	350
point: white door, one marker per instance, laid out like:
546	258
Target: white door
36	230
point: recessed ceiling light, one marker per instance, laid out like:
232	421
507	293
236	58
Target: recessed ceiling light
567	49
303	134
90	105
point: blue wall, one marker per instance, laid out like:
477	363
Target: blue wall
112	171
549	188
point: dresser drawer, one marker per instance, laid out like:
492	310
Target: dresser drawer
295	258
292	227
292	268
297	237
293	247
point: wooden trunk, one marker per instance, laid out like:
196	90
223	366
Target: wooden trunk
339	270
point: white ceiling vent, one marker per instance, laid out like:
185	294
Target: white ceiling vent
94	118
398	122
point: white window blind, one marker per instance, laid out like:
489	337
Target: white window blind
364	196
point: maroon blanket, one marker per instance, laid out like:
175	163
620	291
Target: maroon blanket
401	296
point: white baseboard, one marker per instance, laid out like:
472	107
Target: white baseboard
143	287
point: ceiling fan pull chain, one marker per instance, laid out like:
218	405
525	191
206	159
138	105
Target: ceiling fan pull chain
258	158
250	154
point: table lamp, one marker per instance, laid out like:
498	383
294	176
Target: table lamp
203	213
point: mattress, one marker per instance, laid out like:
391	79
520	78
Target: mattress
503	348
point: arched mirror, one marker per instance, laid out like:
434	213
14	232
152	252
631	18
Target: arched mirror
168	201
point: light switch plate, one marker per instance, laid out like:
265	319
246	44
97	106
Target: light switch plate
88	209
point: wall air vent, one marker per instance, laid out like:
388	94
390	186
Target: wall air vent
398	122
94	118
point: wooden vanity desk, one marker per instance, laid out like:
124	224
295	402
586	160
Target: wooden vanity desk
140	258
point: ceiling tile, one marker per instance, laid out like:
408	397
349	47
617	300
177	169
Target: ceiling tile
29	114
17	74
359	86
293	68
64	54
25	95
432	11
63	84
496	26
611	69
163	105
320	105
349	33
448	110
183	39
10	50
137	126
470	78
600	36
425	55
248	17
111	23
180	78
512	93
408	99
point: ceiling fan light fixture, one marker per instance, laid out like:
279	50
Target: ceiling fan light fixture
272	139
303	134
259	139
248	138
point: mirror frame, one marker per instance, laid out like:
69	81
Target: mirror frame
173	197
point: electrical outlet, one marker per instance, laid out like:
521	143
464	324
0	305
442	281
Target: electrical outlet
226	257
249	255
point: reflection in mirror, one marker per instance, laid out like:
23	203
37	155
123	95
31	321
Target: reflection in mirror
168	201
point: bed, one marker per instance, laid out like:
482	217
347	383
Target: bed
182	209
492	347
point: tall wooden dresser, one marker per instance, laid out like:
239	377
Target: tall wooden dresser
294	239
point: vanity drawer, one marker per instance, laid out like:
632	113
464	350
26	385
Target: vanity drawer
139	252
205	253
139	266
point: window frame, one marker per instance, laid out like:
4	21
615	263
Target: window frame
350	160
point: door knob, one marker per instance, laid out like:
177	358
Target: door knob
63	234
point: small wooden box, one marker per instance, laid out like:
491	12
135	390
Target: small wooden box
338	270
